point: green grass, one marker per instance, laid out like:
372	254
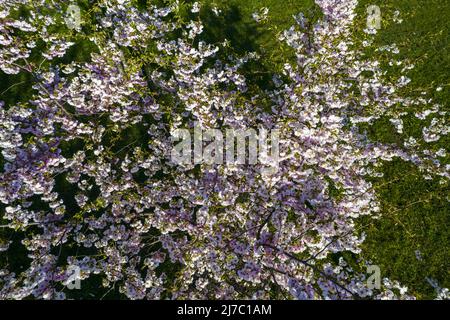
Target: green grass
416	212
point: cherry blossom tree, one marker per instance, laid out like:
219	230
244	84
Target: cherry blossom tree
88	179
